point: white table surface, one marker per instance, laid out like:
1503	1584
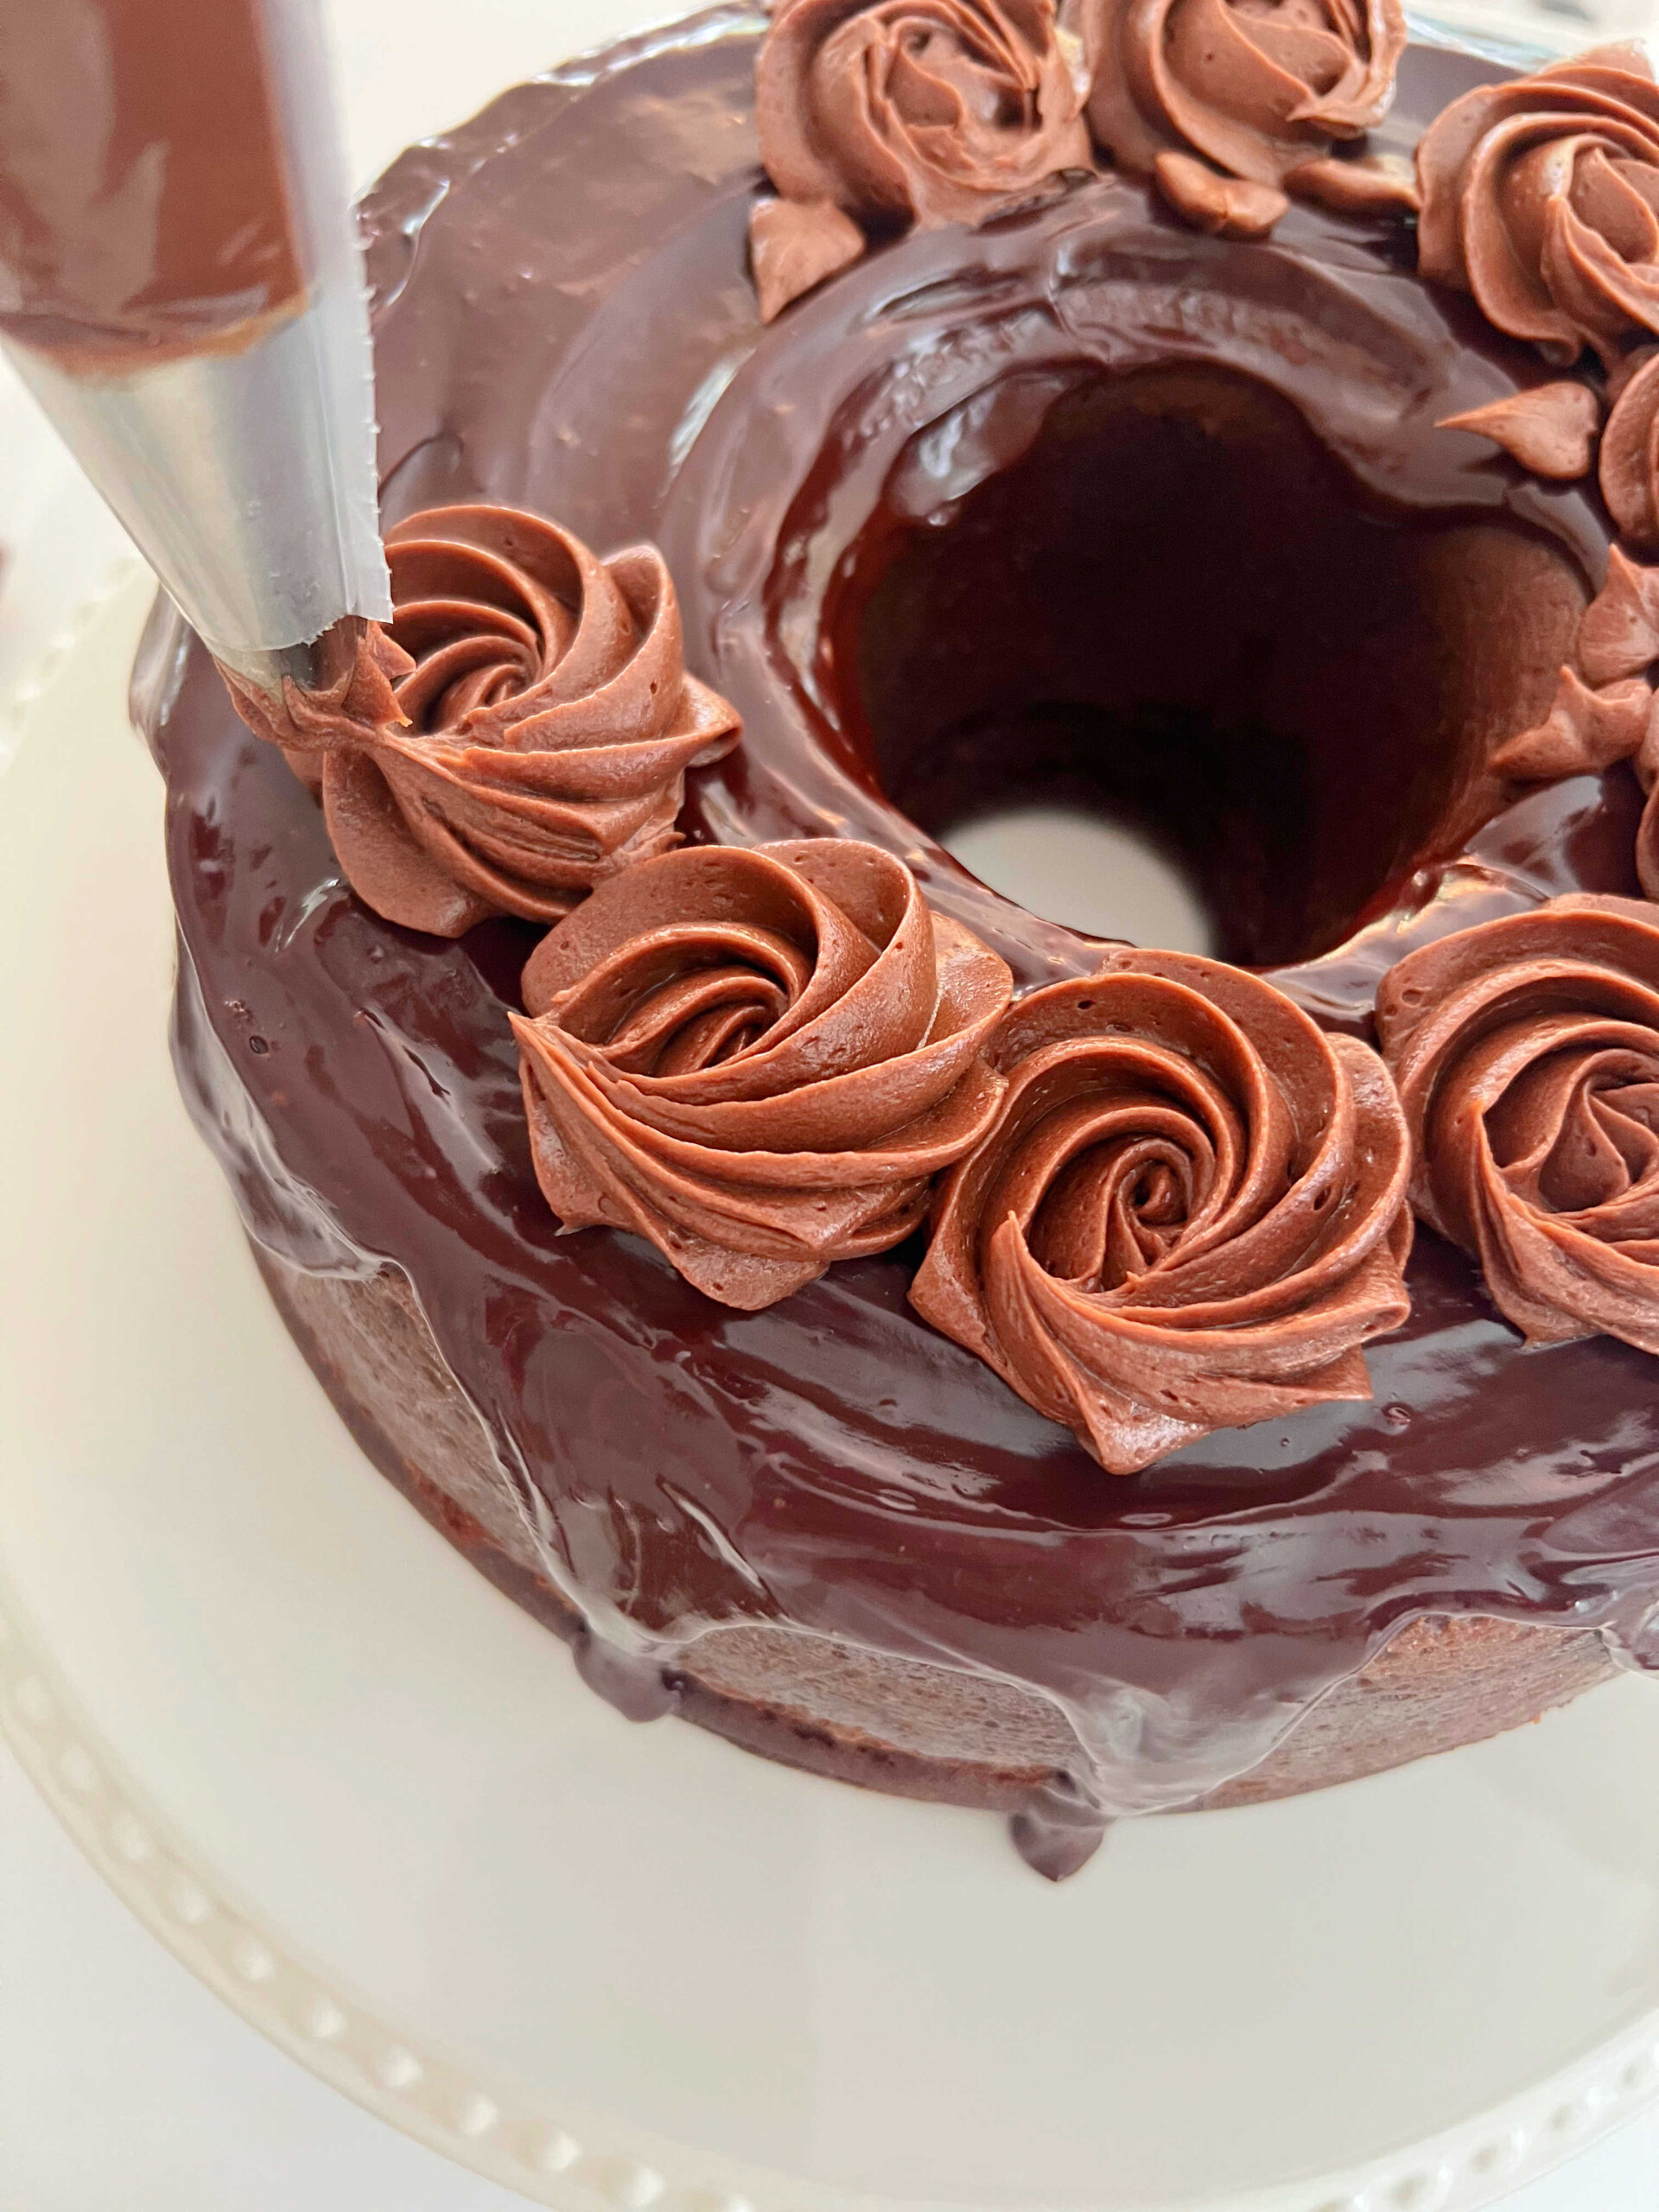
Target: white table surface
124	2086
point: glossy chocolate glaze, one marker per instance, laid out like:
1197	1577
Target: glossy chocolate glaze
565	321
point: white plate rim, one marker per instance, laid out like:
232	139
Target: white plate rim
248	1963
194	1911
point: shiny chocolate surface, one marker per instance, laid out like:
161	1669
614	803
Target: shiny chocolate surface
566	322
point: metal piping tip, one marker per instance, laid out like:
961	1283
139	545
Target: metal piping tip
244	473
317	666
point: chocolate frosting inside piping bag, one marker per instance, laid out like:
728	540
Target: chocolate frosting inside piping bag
838	1465
177	230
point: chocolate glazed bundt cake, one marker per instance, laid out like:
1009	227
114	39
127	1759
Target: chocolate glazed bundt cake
916	1341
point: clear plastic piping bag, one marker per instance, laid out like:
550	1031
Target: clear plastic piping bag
181	288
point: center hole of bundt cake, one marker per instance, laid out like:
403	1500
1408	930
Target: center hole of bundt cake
1150	660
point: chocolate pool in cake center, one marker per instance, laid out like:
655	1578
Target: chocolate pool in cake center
824	1527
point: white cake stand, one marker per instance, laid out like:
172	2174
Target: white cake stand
368	1801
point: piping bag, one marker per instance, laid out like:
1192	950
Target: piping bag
181	290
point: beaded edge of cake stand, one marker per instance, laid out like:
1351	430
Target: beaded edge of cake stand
306	2012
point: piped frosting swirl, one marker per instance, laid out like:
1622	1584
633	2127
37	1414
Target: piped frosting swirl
757	1059
894	112
1608	714
1202	92
520	734
1188	1214
1540	196
1527	1055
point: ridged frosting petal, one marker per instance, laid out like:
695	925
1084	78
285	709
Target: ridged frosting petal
758	1058
1261	92
1584	732
1619	636
1550	430
901	112
1630	457
1540	196
1527	1056
1614	714
521	732
1189	1212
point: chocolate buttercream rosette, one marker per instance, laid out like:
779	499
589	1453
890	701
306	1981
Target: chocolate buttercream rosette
1188	1214
1540	196
1232	107
758	1058
885	113
1527	1055
518	735
1627	464
1609	712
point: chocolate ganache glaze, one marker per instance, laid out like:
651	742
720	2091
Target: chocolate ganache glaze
1075	502
162	226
